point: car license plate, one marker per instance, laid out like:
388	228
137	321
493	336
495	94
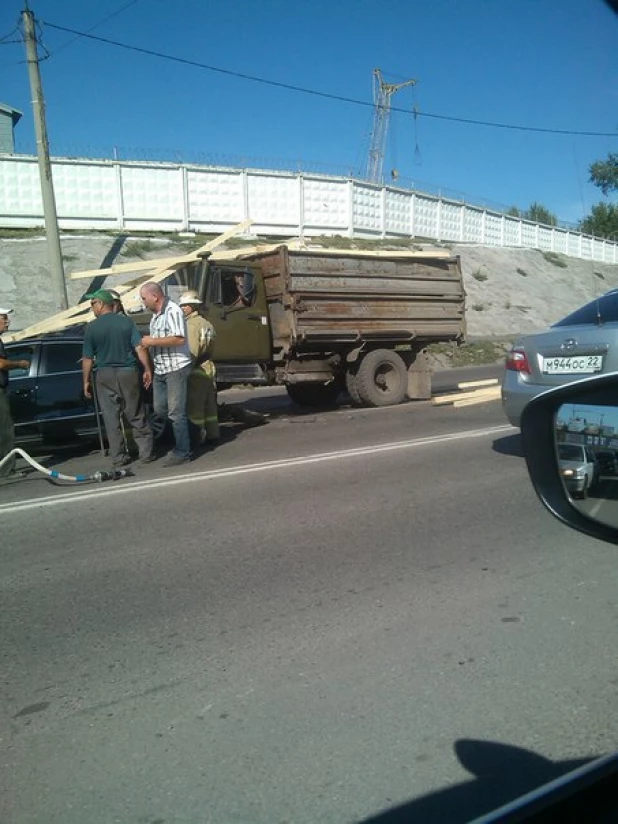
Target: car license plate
575	365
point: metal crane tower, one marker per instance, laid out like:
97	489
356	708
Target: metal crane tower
382	93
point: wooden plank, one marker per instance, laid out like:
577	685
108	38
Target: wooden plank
157	263
48	325
479	384
132	299
118	268
483	398
439	400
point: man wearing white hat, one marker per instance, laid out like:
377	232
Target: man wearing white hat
201	389
7	430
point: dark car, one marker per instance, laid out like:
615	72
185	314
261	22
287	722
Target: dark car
47	400
608	463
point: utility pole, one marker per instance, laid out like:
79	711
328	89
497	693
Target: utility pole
54	249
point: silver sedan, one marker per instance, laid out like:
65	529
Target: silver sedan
582	344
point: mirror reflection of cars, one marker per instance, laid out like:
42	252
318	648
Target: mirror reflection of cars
578	467
589	793
583	343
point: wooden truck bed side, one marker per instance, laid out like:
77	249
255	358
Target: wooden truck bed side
315	297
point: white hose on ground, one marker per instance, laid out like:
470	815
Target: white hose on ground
100	476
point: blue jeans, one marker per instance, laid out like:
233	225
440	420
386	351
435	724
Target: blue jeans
170	401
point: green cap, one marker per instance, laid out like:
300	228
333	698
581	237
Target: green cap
103	295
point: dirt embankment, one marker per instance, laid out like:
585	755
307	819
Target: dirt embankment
509	291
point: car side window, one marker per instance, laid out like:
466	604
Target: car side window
20	353
61	357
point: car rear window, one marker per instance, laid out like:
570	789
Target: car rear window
599	310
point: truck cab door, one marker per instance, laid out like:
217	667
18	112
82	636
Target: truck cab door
238	310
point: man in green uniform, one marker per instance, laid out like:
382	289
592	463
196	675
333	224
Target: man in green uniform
113	341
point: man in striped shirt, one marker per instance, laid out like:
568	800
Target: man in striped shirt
171	357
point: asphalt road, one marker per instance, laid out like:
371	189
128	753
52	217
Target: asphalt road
337	617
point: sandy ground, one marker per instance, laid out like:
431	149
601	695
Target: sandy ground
509	291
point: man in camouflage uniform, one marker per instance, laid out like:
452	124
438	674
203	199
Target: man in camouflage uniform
202	389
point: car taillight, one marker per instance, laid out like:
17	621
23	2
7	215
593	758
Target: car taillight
517	361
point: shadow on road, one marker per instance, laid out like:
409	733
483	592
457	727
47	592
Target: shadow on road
510	445
500	773
606	489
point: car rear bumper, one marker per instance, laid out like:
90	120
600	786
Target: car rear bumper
516	394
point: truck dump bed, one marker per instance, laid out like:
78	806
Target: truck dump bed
342	297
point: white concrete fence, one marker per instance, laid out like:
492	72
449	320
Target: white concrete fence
139	196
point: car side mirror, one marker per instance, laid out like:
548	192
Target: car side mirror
570	442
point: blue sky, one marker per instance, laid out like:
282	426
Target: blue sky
545	63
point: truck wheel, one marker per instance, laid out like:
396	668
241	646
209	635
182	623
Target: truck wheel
314	394
382	379
352	388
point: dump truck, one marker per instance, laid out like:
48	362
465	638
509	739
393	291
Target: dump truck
319	322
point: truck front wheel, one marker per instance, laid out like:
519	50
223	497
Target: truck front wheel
382	378
314	394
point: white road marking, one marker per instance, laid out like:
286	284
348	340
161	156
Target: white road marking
127	488
595	509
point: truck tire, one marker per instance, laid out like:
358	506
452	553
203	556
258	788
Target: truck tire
352	388
314	394
382	378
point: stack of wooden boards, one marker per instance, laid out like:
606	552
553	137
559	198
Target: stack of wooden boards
471	393
157	270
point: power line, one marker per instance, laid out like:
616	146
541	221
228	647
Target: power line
96	26
327	95
48	54
5	39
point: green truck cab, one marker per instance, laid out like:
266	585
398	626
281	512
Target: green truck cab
318	322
